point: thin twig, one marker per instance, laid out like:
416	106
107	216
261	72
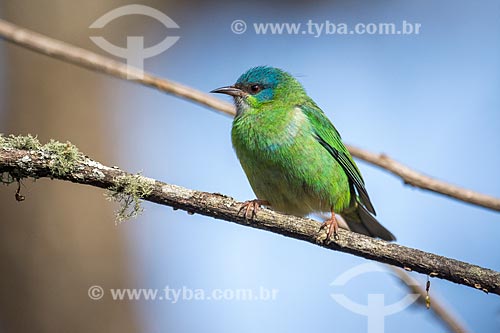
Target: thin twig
93	61
416	179
90	60
37	163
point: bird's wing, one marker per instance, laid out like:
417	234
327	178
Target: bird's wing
328	136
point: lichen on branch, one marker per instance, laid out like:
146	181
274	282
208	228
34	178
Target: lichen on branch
63	160
128	191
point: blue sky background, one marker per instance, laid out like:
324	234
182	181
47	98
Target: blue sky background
430	101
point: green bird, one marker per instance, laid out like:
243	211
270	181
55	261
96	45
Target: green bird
293	156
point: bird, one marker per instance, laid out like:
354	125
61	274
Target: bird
293	156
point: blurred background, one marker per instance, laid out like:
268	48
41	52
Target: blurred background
429	100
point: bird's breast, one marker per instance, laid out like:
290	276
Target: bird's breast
286	165
268	131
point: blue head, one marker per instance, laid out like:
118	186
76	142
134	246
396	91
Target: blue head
263	85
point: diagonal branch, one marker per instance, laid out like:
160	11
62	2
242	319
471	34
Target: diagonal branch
93	61
66	52
416	179
65	163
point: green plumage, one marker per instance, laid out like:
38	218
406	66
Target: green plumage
291	153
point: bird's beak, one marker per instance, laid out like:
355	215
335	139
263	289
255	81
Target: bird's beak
229	90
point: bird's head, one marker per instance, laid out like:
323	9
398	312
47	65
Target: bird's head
261	86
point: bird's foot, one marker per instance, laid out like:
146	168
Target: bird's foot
251	206
332	226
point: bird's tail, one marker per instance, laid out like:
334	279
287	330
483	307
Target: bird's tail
361	221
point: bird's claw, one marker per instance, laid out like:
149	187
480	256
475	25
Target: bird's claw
251	207
333	228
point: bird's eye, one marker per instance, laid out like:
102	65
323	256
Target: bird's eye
255	88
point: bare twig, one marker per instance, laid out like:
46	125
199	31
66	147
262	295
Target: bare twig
419	180
37	163
84	58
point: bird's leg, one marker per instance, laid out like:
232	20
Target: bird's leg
332	226
253	206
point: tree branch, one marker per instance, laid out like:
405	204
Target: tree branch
90	60
416	179
62	161
93	61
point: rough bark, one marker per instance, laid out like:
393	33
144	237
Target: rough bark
86	171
